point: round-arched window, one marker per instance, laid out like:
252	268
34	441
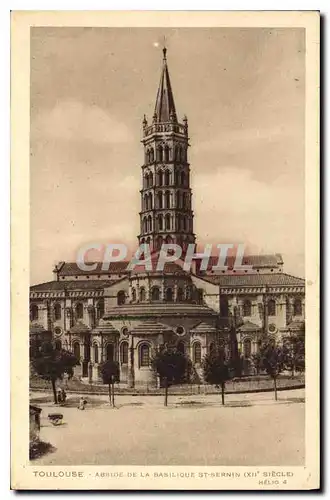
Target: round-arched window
197	353
144	358
124	353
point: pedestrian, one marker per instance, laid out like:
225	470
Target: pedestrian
59	396
82	403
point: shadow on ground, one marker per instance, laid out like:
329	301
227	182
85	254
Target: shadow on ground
202	404
40	449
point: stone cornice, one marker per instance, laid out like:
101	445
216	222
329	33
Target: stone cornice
230	290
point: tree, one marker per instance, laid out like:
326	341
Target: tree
216	371
110	374
172	367
273	360
51	364
295	345
257	362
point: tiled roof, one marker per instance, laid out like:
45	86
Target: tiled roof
36	328
249	327
105	327
239	280
204	328
256	261
80	327
73	285
72	269
296	325
159	309
151	326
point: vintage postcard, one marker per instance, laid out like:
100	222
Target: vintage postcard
165	273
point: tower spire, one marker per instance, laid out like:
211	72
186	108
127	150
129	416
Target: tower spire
165	107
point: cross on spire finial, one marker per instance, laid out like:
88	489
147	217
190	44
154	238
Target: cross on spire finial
164	47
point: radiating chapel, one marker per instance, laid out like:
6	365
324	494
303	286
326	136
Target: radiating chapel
126	316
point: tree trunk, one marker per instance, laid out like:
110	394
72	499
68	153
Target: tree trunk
166	392
113	392
110	402
54	390
223	393
275	388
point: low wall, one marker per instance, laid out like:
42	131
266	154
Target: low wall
242	385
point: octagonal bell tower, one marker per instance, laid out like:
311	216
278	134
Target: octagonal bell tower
166	199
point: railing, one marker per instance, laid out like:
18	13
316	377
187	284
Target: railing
165	127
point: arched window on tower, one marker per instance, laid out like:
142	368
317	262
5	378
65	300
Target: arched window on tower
160	178
247	308
152	155
182	179
160	222
145	202
166	153
271	308
178	199
150	201
184	200
160	199
57	311
297	307
167	178
179	222
159	242
167	222
151	179
167	199
184	223
177	153
183	154
160	154
149	224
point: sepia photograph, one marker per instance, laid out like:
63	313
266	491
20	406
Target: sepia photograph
166	322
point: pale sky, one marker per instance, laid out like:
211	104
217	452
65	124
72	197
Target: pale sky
243	92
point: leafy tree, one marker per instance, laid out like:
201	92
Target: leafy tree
172	367
295	345
273	359
257	362
216	371
110	374
51	364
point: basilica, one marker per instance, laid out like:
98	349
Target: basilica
126	315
